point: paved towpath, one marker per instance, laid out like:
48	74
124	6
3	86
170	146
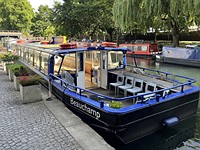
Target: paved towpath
44	125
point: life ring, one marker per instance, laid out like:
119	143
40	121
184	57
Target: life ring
68	46
20	41
109	44
45	42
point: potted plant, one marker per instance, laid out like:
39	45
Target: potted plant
10	68
19	70
8	58
30	88
115	104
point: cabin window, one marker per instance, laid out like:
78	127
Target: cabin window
115	59
31	55
44	64
135	48
68	63
98	56
104	57
130	48
144	48
37	59
88	55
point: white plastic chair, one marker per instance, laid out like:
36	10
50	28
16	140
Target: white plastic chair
149	88
137	87
120	81
128	84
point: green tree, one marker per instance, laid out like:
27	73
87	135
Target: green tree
64	20
78	17
176	15
106	23
16	15
42	25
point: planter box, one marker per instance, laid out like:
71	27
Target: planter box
30	93
11	75
5	67
16	82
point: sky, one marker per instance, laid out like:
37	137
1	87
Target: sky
36	3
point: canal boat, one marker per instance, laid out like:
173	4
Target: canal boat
125	101
188	56
144	49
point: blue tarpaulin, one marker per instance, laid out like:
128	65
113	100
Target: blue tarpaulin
182	53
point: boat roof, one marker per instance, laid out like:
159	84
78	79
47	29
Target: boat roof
67	51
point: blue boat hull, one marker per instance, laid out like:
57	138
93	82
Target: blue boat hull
135	124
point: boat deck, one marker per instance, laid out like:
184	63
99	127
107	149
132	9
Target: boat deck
109	94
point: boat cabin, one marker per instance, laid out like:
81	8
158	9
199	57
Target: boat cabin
103	70
88	67
141	49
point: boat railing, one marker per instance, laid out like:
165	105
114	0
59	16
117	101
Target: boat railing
162	74
37	57
102	97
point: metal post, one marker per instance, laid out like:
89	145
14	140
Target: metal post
50	89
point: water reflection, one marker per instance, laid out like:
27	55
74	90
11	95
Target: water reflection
141	62
169	138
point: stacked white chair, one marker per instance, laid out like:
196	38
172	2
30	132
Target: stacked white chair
128	84
137	87
120	81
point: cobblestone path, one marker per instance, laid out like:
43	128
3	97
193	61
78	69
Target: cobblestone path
29	126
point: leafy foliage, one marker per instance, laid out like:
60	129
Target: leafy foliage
116	104
78	17
20	70
176	16
12	66
16	15
8	57
42	22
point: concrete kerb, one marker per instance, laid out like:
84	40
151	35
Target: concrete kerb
81	132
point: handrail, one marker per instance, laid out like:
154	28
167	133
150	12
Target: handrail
166	73
46	50
119	99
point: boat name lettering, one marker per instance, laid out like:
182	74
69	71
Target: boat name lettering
85	108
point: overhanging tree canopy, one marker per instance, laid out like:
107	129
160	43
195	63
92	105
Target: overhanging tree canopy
177	15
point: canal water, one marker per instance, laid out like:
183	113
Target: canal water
185	136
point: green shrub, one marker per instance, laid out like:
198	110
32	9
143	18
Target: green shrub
8	57
116	104
21	71
12	66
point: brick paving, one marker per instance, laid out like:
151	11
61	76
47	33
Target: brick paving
29	126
